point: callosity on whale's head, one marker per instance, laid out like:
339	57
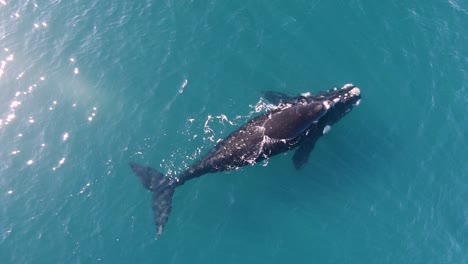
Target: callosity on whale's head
338	102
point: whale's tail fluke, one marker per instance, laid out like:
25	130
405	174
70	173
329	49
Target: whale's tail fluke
162	188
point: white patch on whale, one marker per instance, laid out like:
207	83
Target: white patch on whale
355	91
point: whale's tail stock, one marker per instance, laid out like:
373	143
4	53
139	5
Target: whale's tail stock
162	188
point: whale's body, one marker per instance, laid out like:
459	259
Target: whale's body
296	122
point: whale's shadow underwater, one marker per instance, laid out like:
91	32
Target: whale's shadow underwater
296	122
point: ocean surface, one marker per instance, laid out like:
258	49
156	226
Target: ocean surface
88	86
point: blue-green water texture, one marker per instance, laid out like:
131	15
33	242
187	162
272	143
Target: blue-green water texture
88	86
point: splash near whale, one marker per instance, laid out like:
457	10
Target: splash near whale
297	122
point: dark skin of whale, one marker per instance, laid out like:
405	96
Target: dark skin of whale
295	123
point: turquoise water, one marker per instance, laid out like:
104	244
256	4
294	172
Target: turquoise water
88	86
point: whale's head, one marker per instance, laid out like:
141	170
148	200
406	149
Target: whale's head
317	112
338	102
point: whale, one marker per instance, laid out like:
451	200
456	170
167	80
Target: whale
294	123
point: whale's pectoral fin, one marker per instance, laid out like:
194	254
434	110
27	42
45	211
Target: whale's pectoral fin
277	97
163	190
301	156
